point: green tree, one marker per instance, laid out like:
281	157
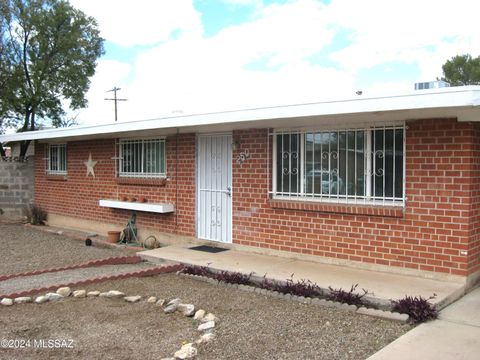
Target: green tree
48	52
462	70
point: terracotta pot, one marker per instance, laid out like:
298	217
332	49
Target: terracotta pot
132	199
113	236
142	199
123	198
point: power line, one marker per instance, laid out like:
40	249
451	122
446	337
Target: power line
115	99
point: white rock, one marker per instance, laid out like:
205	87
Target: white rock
186	309
175	302
6	302
152	300
64	291
209	317
160	302
93	293
205	338
112	294
132	299
169	309
206	326
23	300
187	351
172	306
115	294
199	314
54	297
79	293
41	299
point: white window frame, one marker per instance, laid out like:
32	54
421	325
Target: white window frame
368	198
142	173
54	170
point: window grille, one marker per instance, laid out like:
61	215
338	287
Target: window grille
346	166
57	159
142	158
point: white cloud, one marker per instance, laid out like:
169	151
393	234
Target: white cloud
401	31
141	22
255	3
265	60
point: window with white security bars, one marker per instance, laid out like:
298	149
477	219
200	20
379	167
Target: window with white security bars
57	159
142	158
344	166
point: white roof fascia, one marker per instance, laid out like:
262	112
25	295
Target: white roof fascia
464	98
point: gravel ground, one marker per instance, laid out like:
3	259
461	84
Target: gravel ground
23	283
251	326
25	249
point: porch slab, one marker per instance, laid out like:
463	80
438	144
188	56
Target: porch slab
385	286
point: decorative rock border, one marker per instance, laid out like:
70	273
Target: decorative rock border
384	314
114	260
147	272
187	351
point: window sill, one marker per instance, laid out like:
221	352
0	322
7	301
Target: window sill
56	177
141	181
352	209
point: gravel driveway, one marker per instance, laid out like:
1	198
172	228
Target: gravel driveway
24	248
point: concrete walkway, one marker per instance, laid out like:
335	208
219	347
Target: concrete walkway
454	336
385	286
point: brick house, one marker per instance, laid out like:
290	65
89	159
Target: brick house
388	183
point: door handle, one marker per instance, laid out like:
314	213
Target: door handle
229	191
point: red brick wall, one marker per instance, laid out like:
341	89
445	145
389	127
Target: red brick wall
441	219
78	195
474	246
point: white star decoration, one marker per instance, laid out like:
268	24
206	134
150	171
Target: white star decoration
90	164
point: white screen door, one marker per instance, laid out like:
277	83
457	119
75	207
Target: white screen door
214	188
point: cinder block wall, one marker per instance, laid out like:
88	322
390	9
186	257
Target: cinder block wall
439	230
16	187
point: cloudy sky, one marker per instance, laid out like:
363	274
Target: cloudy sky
173	57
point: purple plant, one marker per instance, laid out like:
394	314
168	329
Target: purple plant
233	277
36	215
301	287
418	308
225	276
347	297
197	270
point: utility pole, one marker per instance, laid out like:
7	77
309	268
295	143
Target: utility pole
115	99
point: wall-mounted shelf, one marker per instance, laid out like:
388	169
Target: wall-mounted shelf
161	208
